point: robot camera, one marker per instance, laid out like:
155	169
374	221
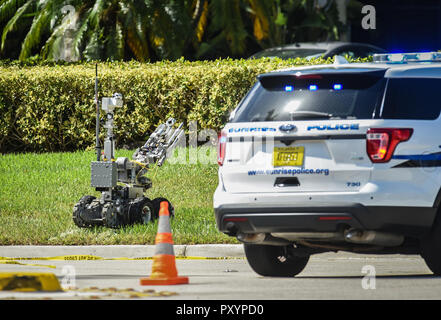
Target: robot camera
110	103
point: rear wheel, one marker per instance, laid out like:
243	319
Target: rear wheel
140	211
274	261
156	206
431	248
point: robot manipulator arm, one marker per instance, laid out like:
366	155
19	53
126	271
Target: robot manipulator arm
154	151
162	141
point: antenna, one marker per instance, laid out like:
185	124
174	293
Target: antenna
97	125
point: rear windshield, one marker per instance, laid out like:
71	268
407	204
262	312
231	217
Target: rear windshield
412	98
309	97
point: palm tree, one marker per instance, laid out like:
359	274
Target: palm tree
159	29
103	29
238	26
235	25
309	21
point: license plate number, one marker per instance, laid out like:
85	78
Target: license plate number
288	156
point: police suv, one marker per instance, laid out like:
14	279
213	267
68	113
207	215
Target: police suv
343	156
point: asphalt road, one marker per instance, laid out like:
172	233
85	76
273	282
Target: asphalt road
327	276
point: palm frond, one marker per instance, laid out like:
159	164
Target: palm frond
137	42
235	32
202	21
93	48
96	13
35	32
10	26
8	8
261	17
136	34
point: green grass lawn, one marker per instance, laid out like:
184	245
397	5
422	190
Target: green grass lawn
38	192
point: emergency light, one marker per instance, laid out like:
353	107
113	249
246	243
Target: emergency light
407	57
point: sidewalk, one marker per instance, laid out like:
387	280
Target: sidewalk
122	251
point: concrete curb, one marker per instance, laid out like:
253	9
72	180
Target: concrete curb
119	251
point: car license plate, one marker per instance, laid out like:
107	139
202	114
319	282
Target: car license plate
288	156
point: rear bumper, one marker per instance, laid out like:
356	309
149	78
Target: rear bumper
324	217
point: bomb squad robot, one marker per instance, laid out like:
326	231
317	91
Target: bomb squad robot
121	181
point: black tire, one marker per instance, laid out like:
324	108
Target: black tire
156	206
141	211
273	261
431	247
79	208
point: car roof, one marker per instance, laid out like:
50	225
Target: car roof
326	46
392	70
315	45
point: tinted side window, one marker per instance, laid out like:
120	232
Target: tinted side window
412	98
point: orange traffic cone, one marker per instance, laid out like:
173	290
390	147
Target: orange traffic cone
164	270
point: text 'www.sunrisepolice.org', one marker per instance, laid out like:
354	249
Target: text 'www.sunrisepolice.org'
288	172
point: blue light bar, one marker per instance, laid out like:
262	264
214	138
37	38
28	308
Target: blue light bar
338	86
425	56
289	88
407	57
313	87
396	57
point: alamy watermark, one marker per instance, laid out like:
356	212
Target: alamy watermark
202	147
69	279
368	282
65	50
369	21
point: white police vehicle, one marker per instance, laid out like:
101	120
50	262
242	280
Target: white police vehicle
335	157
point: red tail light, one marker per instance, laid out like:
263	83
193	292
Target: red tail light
381	142
222	144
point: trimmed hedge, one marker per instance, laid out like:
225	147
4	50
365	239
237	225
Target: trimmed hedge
51	108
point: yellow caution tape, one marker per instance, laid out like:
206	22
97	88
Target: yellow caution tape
91	257
75	257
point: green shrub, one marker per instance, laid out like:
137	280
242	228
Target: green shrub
51	107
